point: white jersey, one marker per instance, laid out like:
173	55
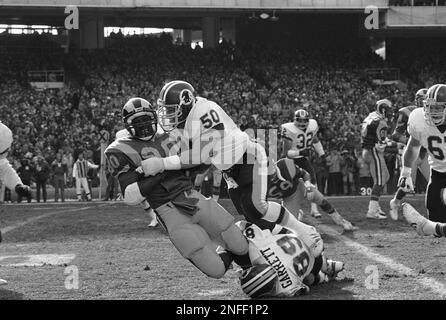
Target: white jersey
285	252
300	139
214	135
430	138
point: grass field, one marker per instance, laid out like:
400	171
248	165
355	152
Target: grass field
104	250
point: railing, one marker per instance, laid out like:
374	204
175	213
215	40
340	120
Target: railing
46	75
211	4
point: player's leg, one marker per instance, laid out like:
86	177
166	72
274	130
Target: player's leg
372	158
305	164
327	207
422	225
293	202
78	189
198	182
86	187
192	241
216	183
219	224
435	197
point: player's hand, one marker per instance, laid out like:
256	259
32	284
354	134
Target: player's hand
23	190
152	166
405	181
309	187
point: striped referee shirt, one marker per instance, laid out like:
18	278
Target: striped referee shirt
81	168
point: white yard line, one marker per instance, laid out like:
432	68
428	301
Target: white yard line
42	216
427	282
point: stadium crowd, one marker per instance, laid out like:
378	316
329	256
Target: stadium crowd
258	87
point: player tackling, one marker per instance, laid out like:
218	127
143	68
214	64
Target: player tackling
8	175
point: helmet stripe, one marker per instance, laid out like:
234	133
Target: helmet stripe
262	284
259	279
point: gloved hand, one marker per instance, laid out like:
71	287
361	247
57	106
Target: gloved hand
23	190
309	190
151	166
405	181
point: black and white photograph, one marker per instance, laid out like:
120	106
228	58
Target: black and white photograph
239	152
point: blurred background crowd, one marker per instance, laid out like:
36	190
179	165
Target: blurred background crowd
259	87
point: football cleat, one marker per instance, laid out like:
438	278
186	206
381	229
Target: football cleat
417	221
334	268
394	206
339	220
377	214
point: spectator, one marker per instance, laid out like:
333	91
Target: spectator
334	162
41	176
60	172
25	173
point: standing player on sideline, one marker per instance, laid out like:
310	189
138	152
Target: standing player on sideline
297	138
401	135
8	176
374	134
427	128
213	137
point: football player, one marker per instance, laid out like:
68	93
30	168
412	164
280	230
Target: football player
8	175
427	128
196	225
214	138
297	138
401	135
374	141
292	185
124	133
297	259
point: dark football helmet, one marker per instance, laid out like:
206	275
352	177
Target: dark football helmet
384	108
420	96
435	105
139	118
259	281
301	119
175	101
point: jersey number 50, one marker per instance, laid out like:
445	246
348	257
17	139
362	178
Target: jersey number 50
210	119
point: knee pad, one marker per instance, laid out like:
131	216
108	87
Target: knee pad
194	244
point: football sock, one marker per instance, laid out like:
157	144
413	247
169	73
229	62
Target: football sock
400	194
327	207
440	230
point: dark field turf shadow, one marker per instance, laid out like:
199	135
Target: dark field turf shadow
6	294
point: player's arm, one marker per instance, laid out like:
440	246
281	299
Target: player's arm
409	157
10	177
318	146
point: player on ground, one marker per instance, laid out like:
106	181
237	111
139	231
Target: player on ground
293	184
196	225
297	138
297	260
374	134
212	137
401	135
8	175
427	128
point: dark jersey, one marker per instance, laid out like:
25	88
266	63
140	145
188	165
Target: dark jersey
125	155
401	124
285	179
374	130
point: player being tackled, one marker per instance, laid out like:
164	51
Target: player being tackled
196	225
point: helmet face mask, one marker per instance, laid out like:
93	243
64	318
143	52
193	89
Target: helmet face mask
301	119
384	108
435	105
140	119
420	96
174	104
